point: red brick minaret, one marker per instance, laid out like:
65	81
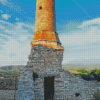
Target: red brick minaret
45	26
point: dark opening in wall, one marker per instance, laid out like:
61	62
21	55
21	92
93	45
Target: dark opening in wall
35	49
35	75
49	88
77	94
40	7
48	50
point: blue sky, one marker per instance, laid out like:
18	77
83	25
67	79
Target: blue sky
77	23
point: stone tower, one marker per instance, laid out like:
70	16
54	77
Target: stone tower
43	77
45	26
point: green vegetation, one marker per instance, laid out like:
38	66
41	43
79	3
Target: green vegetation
82	70
79	66
93	74
87	74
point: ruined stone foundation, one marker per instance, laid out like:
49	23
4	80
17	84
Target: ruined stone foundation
45	63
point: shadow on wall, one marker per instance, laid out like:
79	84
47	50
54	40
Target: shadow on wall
35	75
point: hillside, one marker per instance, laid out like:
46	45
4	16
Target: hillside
10	70
14	70
79	66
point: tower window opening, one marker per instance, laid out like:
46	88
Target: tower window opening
40	7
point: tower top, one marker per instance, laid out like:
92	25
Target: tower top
45	26
45	15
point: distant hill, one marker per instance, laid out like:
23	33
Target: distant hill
85	61
6	67
79	66
11	70
14	70
12	67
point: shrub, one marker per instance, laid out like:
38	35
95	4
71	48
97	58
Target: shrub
82	70
95	73
87	77
90	75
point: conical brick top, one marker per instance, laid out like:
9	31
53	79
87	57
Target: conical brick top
45	26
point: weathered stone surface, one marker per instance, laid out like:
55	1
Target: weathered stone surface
25	86
66	85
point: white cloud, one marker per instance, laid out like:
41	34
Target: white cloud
1	27
17	19
90	22
21	52
4	2
23	38
1	11
6	23
13	6
16	47
81	38
83	42
78	44
5	16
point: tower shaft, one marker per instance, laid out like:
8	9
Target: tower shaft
45	26
45	15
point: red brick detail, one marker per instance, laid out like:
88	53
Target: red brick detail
36	69
45	63
57	77
57	81
51	63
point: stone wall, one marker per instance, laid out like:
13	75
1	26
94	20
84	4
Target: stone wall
8	84
46	62
71	87
8	94
25	85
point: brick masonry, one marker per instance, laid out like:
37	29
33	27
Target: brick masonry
45	15
46	62
45	25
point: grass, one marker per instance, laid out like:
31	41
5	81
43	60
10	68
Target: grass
73	71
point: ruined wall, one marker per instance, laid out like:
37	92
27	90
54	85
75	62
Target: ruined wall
71	87
8	84
46	62
25	85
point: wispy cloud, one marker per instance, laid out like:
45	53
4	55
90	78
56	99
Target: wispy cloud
13	6
4	2
81	8
82	42
80	38
5	16
1	11
17	19
95	21
15	42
